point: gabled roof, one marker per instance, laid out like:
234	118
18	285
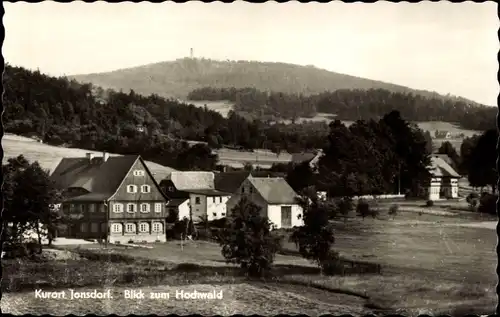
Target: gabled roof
230	181
440	168
192	180
274	190
445	158
298	158
176	202
101	179
208	192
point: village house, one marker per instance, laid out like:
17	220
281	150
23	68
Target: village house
275	197
194	196
114	198
311	158
444	180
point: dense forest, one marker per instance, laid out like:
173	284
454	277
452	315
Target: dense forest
63	112
352	105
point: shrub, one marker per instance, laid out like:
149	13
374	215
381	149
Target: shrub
315	238
393	210
363	209
332	265
487	204
429	203
248	241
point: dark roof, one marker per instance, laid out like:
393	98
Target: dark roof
208	192
230	181
298	158
274	190
101	179
175	202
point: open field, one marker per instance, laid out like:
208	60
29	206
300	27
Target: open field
49	156
430	264
223	107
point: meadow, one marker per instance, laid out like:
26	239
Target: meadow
432	262
49	156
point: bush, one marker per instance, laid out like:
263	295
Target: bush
363	209
487	204
429	203
393	210
473	201
332	265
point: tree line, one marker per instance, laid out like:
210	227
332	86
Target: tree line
351	105
62	112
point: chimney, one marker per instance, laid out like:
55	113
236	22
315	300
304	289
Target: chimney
105	156
90	156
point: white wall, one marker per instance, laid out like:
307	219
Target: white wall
184	210
274	215
218	209
200	209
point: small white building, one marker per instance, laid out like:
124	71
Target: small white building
275	197
444	180
209	203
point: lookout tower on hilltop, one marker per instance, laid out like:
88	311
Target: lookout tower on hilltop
191	54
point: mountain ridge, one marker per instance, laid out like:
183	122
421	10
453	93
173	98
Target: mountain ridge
177	78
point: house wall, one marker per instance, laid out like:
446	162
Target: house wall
217	209
434	189
274	215
136	236
91	215
198	210
183	209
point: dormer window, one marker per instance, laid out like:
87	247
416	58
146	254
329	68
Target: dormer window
139	173
131	189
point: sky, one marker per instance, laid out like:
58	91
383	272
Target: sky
438	46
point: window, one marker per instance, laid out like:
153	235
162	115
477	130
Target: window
72	208
117	208
131	189
157	227
220	199
116	228
91	207
94	227
145	207
223	214
214	214
286	216
242	190
104	227
170	188
157	207
213	199
130	228
130	207
138	173
144	227
83	227
197	200
250	190
145	189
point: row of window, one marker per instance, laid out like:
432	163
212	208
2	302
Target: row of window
131	207
118	227
132	227
197	200
139	173
131	189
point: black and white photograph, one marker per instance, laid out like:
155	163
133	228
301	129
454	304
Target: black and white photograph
243	158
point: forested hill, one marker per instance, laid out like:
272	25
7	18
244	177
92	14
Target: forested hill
178	78
63	112
351	105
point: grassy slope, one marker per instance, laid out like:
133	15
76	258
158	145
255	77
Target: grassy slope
49	156
177	78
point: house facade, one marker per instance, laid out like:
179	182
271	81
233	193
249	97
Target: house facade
444	180
274	196
199	197
113	198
